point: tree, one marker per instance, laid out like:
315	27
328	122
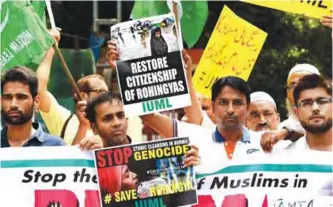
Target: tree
291	39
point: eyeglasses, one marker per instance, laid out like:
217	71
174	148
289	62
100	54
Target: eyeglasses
307	104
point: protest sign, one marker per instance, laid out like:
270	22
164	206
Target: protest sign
23	34
297	179
146	175
47	177
310	8
151	74
232	50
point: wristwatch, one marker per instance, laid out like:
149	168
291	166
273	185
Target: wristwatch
290	134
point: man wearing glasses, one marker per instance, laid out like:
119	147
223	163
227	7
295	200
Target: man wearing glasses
313	107
289	129
73	128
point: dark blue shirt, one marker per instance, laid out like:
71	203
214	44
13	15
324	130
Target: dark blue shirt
38	139
246	138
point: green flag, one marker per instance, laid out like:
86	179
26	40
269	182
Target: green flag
193	20
39	7
23	34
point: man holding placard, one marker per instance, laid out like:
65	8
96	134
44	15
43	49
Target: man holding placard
151	76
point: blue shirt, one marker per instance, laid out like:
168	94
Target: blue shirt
38	139
246	137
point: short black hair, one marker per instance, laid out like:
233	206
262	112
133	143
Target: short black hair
23	75
98	100
234	82
312	81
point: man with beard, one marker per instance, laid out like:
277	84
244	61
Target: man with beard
19	88
262	114
313	107
289	129
158	45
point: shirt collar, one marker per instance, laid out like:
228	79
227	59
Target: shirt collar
245	136
38	134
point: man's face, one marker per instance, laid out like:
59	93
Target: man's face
206	104
158	34
97	86
262	116
17	104
230	108
291	84
129	180
315	116
111	124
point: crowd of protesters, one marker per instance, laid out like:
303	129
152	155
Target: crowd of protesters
233	123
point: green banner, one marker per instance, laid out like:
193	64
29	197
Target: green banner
23	34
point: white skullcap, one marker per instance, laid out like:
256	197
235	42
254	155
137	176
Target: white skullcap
261	96
304	68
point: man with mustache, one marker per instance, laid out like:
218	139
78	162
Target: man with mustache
107	118
230	139
19	88
289	129
313	107
262	113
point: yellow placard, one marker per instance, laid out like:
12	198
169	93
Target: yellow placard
232	50
310	8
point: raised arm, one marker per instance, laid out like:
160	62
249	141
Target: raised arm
160	123
43	74
193	112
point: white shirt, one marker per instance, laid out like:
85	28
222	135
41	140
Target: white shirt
300	145
206	121
213	154
292	123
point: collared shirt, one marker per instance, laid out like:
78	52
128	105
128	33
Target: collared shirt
229	145
292	123
39	138
212	146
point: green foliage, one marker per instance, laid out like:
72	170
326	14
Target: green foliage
291	39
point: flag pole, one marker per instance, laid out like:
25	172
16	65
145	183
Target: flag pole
174	8
50	12
177	19
62	60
